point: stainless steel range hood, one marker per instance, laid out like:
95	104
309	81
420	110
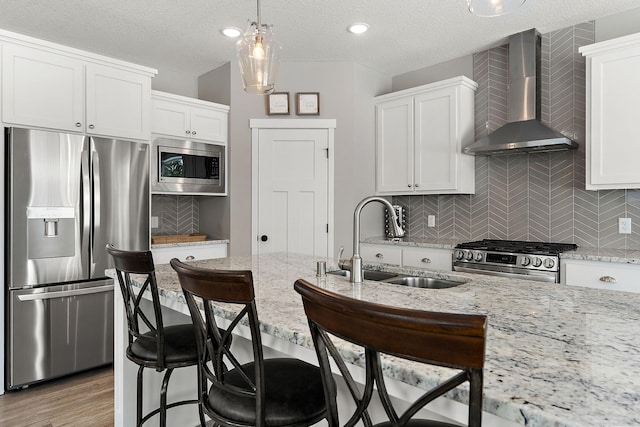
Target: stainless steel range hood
524	133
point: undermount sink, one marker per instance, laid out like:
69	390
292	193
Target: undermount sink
367	274
424	282
397	279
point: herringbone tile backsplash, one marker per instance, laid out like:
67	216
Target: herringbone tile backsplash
176	214
538	197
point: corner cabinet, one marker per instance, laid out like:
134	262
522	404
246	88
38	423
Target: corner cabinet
45	85
420	134
613	110
182	117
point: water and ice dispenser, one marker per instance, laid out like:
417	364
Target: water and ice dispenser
51	232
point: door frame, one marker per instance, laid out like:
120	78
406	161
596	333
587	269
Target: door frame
256	125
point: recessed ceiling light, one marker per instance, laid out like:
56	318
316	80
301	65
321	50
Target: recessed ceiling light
231	32
358	28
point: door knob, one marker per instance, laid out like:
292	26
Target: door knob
264	238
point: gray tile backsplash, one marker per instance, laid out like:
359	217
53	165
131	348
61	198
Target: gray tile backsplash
533	196
176	214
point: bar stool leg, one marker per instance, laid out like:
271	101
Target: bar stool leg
139	397
163	398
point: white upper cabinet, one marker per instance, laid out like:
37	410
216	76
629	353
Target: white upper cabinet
613	110
194	119
420	134
42	89
45	85
118	102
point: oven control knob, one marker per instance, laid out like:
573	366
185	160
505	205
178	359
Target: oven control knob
549	263
468	255
525	260
537	262
478	256
459	254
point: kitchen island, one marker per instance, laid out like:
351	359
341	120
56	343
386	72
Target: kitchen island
556	355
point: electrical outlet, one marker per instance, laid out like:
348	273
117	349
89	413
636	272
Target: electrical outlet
431	220
624	225
154	222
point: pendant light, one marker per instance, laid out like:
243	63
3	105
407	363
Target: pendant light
488	8
259	58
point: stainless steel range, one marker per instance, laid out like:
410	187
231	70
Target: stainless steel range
511	258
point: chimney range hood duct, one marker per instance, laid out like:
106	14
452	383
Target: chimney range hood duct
524	133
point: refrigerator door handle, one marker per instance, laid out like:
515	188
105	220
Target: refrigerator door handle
95	160
62	294
85	194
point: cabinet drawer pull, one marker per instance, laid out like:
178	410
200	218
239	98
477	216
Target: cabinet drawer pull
379	255
78	124
190	258
91	126
426	260
608	279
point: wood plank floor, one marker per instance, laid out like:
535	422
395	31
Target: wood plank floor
80	400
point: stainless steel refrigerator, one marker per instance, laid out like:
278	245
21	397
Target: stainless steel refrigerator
67	197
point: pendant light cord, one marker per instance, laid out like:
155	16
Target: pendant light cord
259	20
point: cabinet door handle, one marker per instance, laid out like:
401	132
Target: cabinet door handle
409	185
187	132
426	260
189	258
91	126
608	279
379	255
417	185
78	124
193	133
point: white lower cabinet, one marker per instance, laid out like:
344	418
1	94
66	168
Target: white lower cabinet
601	275
189	253
431	258
385	254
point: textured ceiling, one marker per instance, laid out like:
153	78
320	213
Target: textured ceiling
183	35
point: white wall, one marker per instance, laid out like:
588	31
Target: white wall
621	24
456	67
346	94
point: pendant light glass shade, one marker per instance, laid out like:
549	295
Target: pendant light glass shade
487	8
259	59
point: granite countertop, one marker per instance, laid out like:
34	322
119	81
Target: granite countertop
556	355
627	256
197	243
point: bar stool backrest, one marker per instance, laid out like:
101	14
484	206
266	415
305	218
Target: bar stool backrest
128	263
442	339
202	288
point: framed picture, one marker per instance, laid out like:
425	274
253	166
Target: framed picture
278	103
307	103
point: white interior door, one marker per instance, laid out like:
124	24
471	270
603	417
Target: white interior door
293	191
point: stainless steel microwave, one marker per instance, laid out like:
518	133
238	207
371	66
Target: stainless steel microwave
188	167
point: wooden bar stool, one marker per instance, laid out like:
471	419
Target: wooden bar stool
443	339
162	348
280	392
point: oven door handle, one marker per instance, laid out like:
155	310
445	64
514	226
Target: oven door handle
63	294
537	277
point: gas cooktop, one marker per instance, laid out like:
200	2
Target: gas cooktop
520	246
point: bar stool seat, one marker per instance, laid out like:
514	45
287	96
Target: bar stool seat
179	347
293	393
